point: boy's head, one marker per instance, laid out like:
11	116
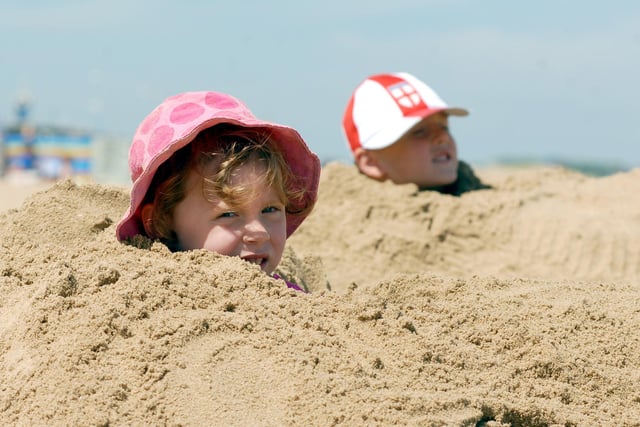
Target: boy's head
210	145
397	129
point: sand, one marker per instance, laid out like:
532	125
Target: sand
515	305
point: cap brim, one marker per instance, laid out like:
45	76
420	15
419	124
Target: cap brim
390	134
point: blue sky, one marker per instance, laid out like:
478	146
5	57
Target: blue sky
543	79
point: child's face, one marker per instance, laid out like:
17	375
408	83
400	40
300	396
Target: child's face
426	155
254	231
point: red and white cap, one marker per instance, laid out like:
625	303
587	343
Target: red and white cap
385	106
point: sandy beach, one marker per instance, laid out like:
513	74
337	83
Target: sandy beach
515	305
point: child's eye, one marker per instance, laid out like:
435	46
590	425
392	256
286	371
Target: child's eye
227	215
271	209
420	133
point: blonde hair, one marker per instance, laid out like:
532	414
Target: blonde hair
234	147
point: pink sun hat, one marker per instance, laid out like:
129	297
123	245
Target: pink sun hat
179	119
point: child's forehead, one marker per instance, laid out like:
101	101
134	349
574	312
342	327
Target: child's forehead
244	181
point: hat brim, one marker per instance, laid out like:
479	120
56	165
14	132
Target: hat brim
392	133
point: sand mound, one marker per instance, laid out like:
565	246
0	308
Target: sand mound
544	223
518	306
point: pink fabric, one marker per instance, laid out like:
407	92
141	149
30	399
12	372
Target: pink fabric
290	285
177	121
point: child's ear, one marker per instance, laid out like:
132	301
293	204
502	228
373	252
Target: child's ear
146	215
369	165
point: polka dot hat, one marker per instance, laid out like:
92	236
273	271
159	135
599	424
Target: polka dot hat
177	121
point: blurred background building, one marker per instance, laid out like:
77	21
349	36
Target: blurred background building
46	152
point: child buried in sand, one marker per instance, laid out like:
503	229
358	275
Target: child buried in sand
209	175
397	128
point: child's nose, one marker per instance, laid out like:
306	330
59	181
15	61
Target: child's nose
442	137
255	232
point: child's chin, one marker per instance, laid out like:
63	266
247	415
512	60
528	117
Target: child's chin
448	175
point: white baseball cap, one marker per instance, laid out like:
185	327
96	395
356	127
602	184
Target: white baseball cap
385	106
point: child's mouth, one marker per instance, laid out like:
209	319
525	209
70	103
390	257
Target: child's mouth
442	158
